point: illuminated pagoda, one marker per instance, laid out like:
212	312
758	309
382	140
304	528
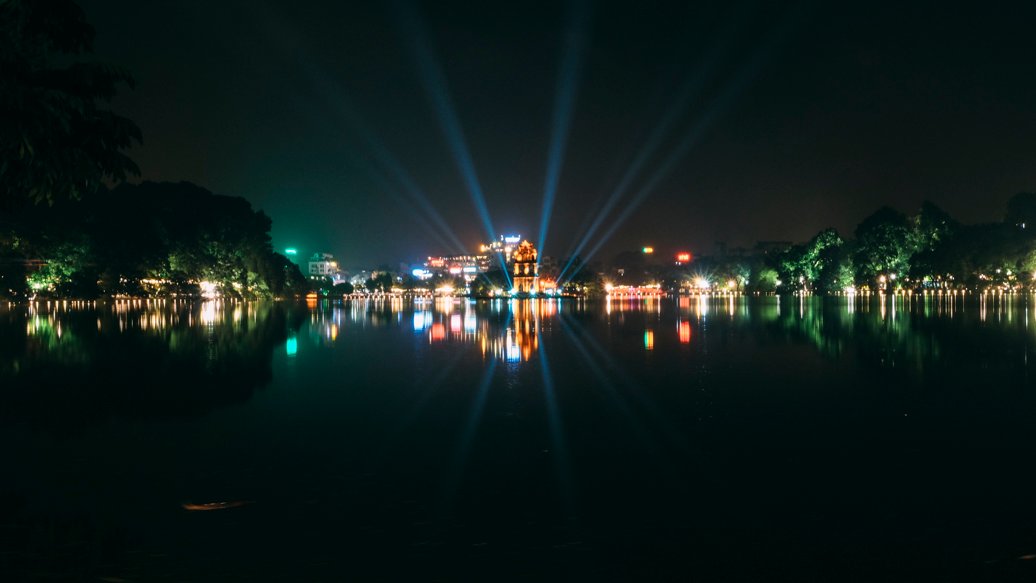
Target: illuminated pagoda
525	269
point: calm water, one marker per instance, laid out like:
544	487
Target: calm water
714	439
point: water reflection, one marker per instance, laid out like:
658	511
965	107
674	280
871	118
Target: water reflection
503	330
884	330
371	398
72	362
165	357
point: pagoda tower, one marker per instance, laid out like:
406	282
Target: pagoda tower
524	269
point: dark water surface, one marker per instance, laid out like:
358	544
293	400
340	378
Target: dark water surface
722	439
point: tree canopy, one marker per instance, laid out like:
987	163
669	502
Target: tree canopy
58	140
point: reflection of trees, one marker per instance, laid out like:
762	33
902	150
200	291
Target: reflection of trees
74	365
918	336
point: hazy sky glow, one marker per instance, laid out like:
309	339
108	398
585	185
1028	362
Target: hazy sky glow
774	121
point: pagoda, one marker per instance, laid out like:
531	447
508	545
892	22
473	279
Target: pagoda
525	269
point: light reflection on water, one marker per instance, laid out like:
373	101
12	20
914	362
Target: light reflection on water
369	407
512	330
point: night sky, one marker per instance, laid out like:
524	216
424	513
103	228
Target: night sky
801	117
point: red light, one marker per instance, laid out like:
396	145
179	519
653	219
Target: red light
438	331
683	257
685	332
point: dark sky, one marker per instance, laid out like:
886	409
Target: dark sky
809	117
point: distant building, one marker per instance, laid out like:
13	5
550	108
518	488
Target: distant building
505	246
466	266
324	265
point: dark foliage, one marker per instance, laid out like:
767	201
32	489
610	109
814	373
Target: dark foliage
154	239
57	140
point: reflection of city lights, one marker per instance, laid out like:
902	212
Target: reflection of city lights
438	331
649	339
419	321
512	352
685	332
208	289
292	346
455	324
208	313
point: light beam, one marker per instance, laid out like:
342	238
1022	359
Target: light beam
564	102
691	137
433	80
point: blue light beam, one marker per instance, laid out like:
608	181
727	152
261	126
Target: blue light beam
691	87
564	103
691	138
380	155
436	88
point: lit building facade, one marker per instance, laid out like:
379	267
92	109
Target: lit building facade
505	246
324	265
466	266
525	269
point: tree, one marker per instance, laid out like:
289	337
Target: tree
57	140
379	282
884	246
932	225
801	266
152	232
486	283
763	279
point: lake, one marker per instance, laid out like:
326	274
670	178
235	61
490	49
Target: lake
713	438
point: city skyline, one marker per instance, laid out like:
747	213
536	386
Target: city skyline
792	119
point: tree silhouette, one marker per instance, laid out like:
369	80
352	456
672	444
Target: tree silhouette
56	138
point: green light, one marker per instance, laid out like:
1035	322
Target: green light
291	251
292	346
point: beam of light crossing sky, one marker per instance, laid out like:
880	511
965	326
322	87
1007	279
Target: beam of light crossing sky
691	138
433	80
564	102
387	187
690	88
383	158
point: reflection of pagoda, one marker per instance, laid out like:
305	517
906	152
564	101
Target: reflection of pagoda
526	277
